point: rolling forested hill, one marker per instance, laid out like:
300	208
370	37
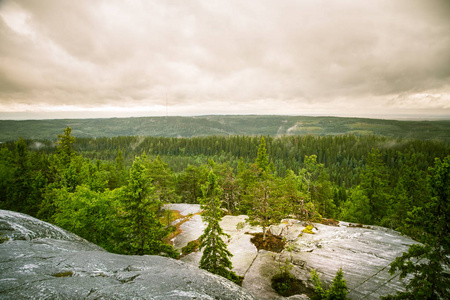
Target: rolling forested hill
224	125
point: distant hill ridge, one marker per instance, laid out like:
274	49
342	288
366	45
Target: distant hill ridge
224	125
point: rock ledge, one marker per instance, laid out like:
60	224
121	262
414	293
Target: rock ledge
41	261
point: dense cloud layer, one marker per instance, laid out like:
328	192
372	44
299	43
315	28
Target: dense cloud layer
272	57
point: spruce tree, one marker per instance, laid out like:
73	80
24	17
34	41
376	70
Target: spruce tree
337	290
216	257
65	146
118	176
374	181
20	187
144	232
429	262
266	204
262	159
163	179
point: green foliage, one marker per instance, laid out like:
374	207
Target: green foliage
190	181
308	229
192	246
118	175
374	182
86	185
163	179
318	289
262	160
315	180
282	282
337	291
65	145
231	192
3	239
263	195
143	230
356	208
89	214
429	262
225	125
216	257
267	208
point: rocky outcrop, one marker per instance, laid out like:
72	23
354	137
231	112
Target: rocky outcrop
41	261
364	253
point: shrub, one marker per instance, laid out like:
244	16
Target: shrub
283	280
337	291
282	283
192	246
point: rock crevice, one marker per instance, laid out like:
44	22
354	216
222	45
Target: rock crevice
363	252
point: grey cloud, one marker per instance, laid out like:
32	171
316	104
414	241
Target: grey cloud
94	53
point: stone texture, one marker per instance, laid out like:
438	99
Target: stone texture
184	209
41	261
363	253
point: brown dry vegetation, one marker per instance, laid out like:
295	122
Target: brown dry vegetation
271	243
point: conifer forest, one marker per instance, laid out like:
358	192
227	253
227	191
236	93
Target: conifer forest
111	191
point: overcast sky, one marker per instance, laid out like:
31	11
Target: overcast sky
112	58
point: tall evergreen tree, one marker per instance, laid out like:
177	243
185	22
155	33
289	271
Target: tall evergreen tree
318	187
429	262
21	178
6	177
267	203
263	196
144	232
118	176
262	159
374	182
216	257
163	179
65	146
356	208
190	181
230	187
292	195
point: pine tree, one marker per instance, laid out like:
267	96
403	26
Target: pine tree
216	257
65	146
318	187
374	181
118	175
263	195
262	159
163	179
144	232
429	262
189	183
267	206
228	182
337	290
20	187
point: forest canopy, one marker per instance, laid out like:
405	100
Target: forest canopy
112	191
364	179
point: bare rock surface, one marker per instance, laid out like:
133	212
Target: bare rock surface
41	261
184	209
364	253
191	230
